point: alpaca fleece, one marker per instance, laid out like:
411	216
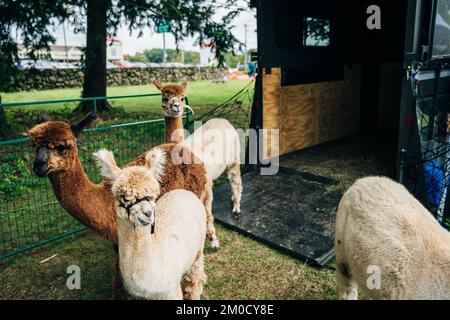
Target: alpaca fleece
382	230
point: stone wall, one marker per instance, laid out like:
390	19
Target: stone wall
69	78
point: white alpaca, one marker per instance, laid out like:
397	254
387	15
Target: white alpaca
160	243
217	144
388	245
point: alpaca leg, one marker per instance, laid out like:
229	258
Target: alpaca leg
210	230
195	279
234	177
347	287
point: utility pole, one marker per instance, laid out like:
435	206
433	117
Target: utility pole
65	42
245	44
164	49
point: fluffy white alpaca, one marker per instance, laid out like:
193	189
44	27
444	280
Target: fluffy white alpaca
217	144
160	243
388	245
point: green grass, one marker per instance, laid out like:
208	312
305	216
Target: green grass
200	93
241	269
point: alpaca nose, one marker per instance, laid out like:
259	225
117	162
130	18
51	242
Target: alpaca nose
176	108
146	213
40	167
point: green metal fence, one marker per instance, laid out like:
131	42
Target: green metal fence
30	215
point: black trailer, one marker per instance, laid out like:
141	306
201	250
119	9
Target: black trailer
358	87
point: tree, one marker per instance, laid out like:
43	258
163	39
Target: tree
187	18
154	55
138	57
191	57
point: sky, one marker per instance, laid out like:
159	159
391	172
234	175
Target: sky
150	39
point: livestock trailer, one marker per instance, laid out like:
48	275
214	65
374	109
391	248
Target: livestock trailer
348	84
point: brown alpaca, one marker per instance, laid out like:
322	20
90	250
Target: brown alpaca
172	105
56	148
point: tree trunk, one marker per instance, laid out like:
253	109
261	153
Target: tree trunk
94	83
4	127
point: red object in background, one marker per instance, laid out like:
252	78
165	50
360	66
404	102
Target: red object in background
237	75
123	64
409	119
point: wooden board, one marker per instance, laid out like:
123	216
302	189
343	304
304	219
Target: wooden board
271	98
306	114
313	113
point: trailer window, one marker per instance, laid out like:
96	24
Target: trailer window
297	32
316	32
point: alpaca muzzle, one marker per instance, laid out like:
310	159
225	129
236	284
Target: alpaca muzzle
40	165
142	212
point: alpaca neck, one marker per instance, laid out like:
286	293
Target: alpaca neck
140	264
90	204
174	132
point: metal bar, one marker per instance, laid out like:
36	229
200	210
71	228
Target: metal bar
31	103
38	244
95	106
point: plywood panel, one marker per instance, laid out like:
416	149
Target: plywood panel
298	118
306	114
271	106
314	113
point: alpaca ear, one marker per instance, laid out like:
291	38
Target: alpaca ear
107	163
77	128
184	85
155	160
157	84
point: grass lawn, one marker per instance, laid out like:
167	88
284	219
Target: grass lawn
242	269
200	93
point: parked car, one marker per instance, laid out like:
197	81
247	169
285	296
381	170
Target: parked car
110	65
123	64
175	65
44	64
153	65
25	64
63	65
140	64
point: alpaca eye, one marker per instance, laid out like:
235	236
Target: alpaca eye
182	99
165	99
61	148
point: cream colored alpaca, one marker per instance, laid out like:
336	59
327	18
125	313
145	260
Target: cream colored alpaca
160	243
388	245
217	144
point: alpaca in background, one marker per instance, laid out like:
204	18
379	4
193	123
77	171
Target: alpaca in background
173	103
216	143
